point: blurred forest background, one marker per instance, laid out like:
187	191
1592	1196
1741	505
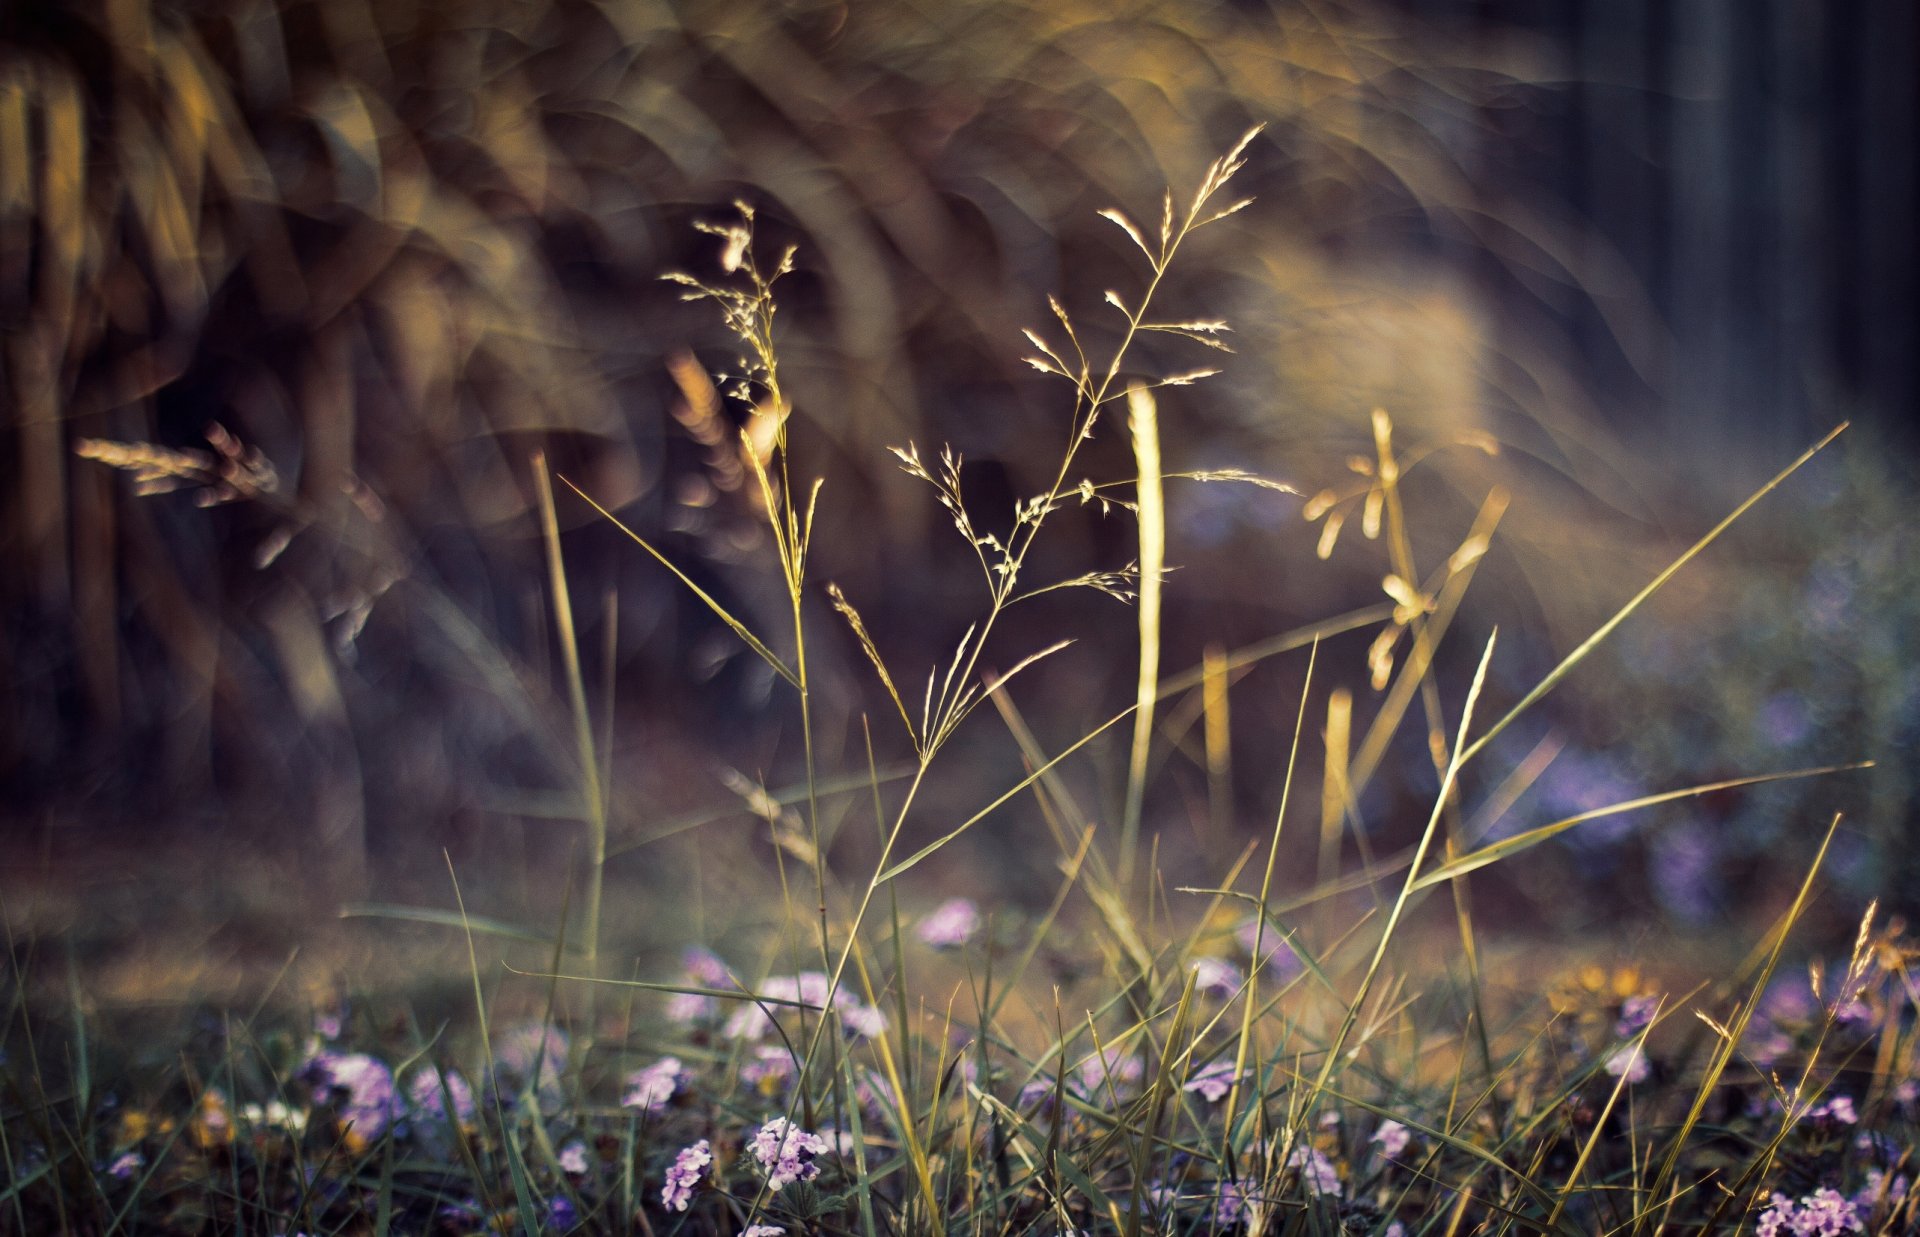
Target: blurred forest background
392	248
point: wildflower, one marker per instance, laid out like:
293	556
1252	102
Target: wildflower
651	1088
1635	1013
1216	977
764	1230
359	1088
1280	956
769	1070
701	968
329	1026
864	1021
1823	1213
562	1215
573	1159
785	1152
1878	1189
950	925
1627	1061
750	1021
531	1047
1109	1068
684	1175
1838	1109
532	1055
1235	1205
426	1095
1317	1172
126	1165
1213	1081
1393	1138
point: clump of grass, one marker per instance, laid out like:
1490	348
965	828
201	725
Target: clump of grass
1227	1067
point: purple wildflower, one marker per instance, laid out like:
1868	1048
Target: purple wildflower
522	1049
1317	1172
1629	1062
425	1095
359	1088
573	1159
131	1162
701	968
562	1215
750	1021
950	925
1213	1081
864	1021
1280	956
1110	1068
1393	1138
1878	1190
1635	1013
770	1069
1216	977
1233	1204
764	1230
873	1093
684	1175
785	1152
651	1088
1838	1109
1823	1213
1035	1093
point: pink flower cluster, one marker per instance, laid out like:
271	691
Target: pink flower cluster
685	1174
785	1153
1823	1213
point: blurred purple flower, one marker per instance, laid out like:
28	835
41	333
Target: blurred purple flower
1629	1062
562	1215
1393	1138
1212	1082
864	1021
129	1163
1109	1067
1281	958
750	1021
1317	1172
358	1087
651	1089
950	925
763	1230
1837	1109
785	1153
1636	1012
573	1159
1686	864
531	1054
701	968
1216	977
769	1068
521	1050
1879	1190
684	1175
425	1095
1233	1204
